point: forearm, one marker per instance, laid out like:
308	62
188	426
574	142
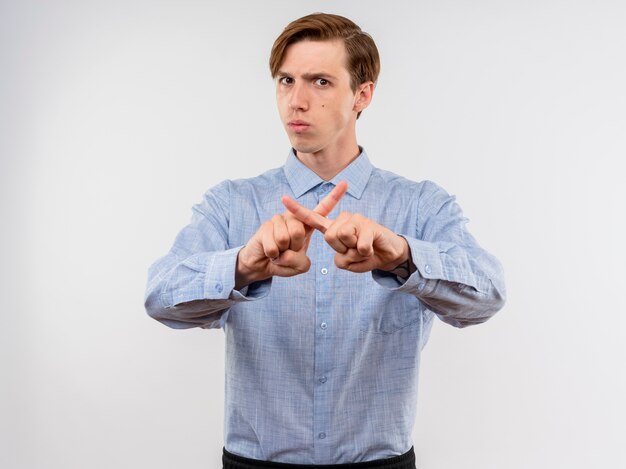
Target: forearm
196	291
463	285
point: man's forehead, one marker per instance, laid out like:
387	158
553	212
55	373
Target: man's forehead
308	56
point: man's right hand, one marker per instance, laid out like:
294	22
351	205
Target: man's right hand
280	244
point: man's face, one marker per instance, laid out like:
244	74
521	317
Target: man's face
316	104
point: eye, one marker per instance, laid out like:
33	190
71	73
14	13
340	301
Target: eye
285	80
322	82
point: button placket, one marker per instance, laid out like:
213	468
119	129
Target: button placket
323	257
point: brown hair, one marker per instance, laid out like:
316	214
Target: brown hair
363	60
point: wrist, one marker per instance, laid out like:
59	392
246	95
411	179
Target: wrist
403	265
244	275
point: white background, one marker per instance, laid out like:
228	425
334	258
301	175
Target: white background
116	116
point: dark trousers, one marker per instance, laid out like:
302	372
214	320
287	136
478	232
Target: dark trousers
404	461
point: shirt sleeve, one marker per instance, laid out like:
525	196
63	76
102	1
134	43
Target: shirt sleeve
455	278
194	284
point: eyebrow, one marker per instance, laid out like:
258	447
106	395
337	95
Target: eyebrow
308	76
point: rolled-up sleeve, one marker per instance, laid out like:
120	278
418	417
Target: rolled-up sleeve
194	284
454	277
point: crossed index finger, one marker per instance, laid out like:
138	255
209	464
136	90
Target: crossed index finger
328	203
316	218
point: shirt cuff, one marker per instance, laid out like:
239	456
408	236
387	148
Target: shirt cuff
219	281
427	260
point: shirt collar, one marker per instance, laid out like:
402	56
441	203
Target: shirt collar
302	179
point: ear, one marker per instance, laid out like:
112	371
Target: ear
363	96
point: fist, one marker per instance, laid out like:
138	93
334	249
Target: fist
362	245
279	246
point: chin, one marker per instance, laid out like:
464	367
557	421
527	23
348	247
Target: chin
307	150
303	147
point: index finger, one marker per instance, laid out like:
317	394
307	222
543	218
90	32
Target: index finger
305	215
328	203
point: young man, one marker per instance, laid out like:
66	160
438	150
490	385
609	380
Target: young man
325	310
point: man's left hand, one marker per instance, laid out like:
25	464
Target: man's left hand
362	245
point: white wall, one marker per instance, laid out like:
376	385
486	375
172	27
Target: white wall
116	116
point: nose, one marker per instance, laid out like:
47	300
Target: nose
298	99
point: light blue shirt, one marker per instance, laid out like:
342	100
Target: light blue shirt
322	368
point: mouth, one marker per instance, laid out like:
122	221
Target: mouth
298	126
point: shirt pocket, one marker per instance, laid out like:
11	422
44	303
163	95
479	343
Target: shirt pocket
389	313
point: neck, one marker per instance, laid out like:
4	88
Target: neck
326	163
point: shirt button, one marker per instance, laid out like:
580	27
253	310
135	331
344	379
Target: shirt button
323	379
324	270
325	188
322	435
420	287
427	269
218	287
323	325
